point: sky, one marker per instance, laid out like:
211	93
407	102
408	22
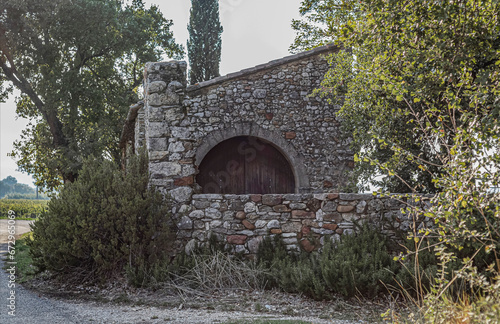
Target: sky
255	32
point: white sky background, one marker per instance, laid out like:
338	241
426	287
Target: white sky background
255	32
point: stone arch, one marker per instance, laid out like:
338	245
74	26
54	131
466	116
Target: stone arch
295	160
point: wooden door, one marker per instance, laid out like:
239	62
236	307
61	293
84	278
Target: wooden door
244	165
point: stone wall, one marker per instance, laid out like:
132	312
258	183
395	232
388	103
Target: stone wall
179	125
303	220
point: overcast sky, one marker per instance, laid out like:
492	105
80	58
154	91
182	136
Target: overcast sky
255	32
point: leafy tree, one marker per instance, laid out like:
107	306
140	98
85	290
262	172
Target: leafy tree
321	22
9	187
204	44
78	65
427	73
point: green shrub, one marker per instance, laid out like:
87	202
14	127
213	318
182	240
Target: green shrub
103	223
359	264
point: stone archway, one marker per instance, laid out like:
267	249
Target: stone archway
278	143
245	165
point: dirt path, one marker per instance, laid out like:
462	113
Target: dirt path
21	227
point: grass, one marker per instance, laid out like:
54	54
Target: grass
24	267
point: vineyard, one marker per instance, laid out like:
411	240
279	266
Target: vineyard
24	208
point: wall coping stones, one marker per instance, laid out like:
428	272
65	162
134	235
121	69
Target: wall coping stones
330	48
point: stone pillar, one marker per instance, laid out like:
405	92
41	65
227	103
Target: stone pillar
168	139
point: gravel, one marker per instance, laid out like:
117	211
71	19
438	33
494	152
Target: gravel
36	306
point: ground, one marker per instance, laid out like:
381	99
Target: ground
41	301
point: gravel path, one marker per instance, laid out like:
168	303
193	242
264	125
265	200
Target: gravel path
32	307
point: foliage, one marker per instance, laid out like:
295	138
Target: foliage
78	65
28	208
204	44
9	186
321	21
358	264
423	84
102	223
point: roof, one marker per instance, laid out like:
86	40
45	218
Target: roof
285	60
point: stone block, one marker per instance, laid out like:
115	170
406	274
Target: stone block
240	215
185	224
331	227
249	207
236	239
345	209
271	200
248	225
213	213
281	209
303	214
186	181
167	169
329	206
199	214
307	245
273	224
276	231
314	204
181	194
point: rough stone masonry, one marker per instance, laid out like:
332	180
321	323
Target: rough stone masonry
272	105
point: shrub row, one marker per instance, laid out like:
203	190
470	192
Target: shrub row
22	207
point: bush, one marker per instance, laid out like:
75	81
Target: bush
103	223
358	264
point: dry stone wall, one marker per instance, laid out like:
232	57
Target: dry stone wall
304	221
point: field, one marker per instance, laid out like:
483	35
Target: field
24	208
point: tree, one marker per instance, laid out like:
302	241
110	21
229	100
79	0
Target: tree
423	84
204	44
321	22
78	65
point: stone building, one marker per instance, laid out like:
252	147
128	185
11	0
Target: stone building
248	154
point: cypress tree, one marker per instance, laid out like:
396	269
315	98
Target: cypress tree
204	44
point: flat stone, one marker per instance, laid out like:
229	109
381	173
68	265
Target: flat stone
345	209
166	168
186	181
331	227
197	214
255	198
276	231
332	196
260	223
354	196
271	200
274	224
213	213
182	194
297	206
332	217
329	206
281	209
236	239
303	214
248	225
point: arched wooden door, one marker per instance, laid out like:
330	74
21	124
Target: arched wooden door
245	165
